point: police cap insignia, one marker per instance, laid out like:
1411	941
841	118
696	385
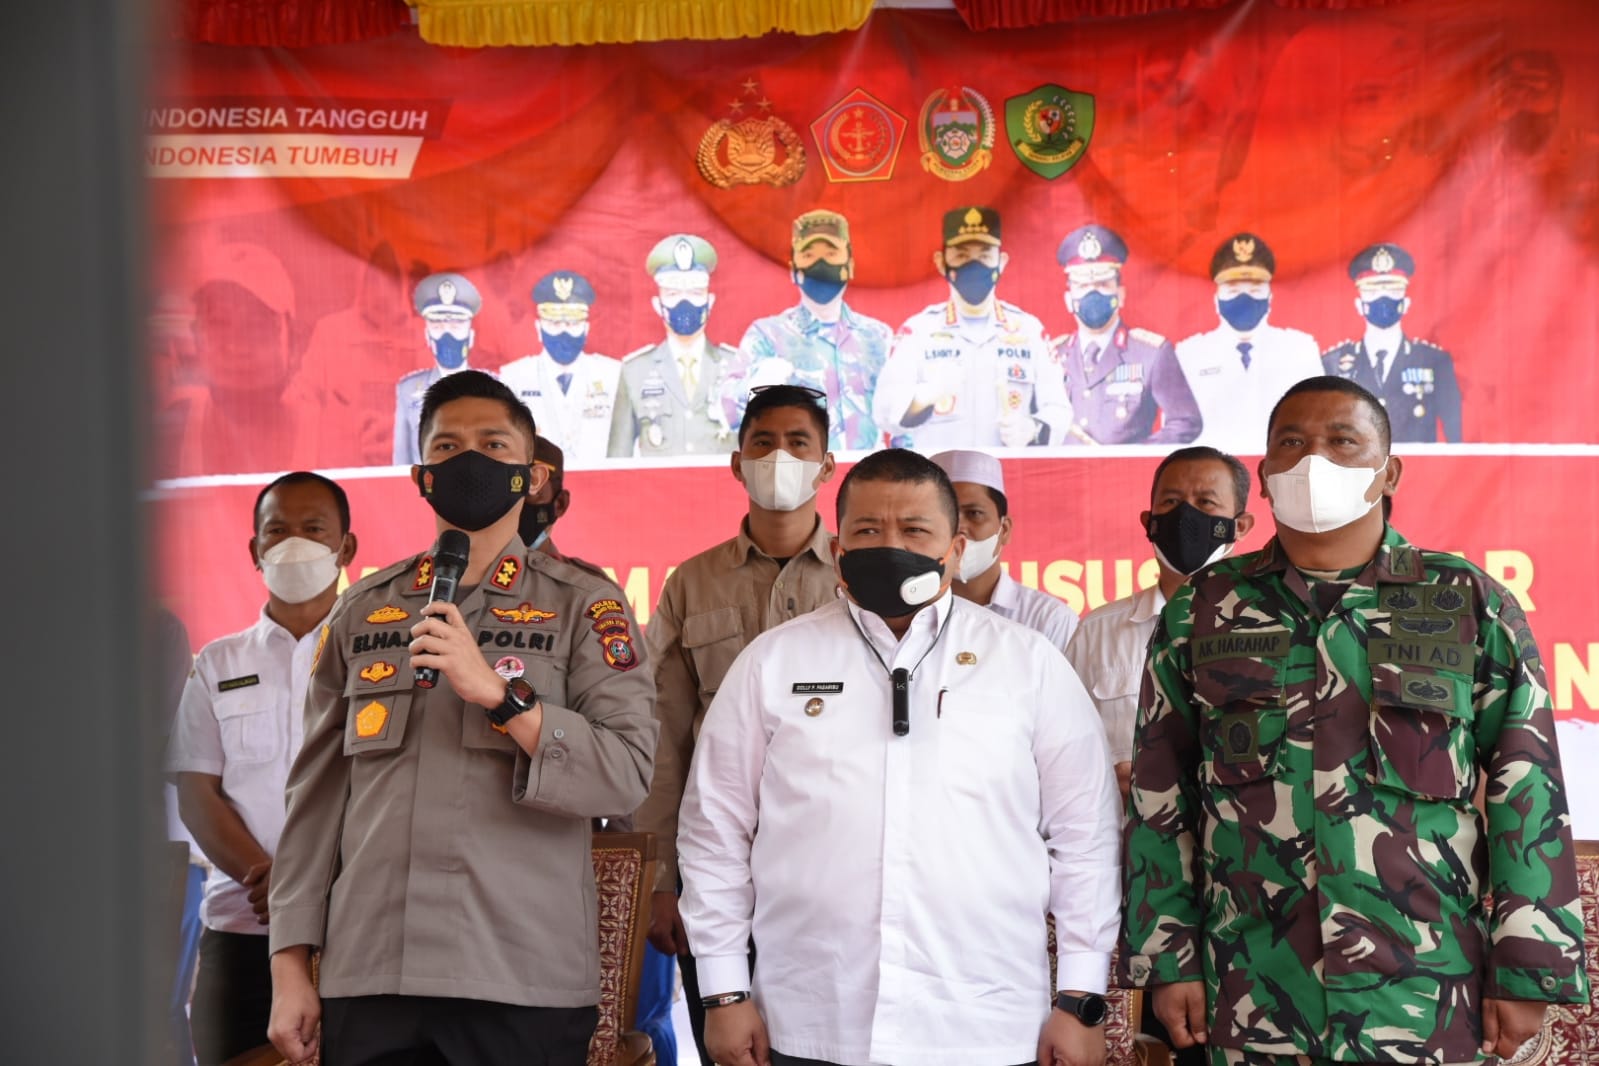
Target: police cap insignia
1380	262
979	224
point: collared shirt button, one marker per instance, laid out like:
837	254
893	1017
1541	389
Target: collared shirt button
559	733
557	754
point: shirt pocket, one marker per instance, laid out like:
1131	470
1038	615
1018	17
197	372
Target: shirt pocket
1422	742
1115	693
548	678
713	640
250	725
1242	720
984	742
378	695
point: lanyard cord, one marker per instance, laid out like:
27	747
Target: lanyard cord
899	677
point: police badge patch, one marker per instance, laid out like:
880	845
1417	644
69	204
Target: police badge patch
1049	128
957	133
748	150
616	639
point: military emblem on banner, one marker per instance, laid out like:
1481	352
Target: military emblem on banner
957	133
859	138
752	147
1049	128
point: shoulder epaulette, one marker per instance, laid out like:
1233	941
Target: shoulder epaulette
630	356
386	574
1346	343
1148	336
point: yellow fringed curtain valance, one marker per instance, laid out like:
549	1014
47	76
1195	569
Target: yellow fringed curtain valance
476	23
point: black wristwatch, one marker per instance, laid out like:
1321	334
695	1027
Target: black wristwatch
519	699
1088	1009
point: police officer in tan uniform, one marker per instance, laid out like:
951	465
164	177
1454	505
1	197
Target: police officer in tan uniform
669	401
437	844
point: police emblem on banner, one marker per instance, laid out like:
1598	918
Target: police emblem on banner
1049	128
752	147
859	138
957	133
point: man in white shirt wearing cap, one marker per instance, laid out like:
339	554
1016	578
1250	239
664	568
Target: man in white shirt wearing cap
986	524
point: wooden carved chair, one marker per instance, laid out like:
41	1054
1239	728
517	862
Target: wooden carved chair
1570	1033
1124	1044
624	873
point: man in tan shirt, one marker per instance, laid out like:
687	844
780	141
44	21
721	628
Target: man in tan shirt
437	845
778	567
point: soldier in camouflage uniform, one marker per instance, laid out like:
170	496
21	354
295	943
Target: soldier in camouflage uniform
1314	720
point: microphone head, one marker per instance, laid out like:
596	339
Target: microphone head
454	547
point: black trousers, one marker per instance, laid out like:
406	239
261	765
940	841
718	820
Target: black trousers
232	995
438	1031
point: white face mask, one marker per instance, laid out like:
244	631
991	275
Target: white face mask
1222	551
1318	495
778	481
979	556
297	569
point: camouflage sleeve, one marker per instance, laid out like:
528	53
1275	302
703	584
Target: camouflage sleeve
1161	914
1536	931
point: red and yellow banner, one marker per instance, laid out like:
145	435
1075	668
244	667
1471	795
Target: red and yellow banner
1451	129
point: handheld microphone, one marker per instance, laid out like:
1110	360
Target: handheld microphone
902	701
449	563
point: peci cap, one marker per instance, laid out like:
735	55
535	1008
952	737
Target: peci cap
252	268
971	224
976	468
1091	253
446	295
563	296
1242	257
681	252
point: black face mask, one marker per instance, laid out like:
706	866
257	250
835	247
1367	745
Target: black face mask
1187	538
472	491
890	582
536	520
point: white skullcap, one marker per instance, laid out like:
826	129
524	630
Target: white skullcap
977	468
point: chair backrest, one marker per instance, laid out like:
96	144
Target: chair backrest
624	874
1570	1033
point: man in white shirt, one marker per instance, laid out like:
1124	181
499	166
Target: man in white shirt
237	730
1239	370
986	524
896	868
571	391
972	371
1196	515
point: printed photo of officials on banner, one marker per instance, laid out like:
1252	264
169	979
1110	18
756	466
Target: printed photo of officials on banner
1011	260
971	370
